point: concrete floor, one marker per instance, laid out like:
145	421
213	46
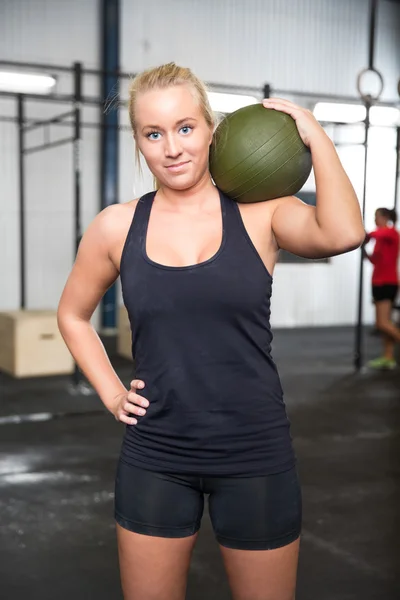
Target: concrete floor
57	536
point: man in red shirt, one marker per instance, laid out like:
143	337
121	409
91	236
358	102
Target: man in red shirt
385	280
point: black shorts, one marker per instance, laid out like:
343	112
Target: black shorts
249	513
384	292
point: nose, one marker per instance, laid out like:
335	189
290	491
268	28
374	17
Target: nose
172	147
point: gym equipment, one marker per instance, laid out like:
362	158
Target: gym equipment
31	344
124	335
367	97
258	154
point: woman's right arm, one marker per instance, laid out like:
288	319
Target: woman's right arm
91	276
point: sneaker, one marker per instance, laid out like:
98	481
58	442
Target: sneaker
382	363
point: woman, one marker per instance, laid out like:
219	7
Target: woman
205	413
385	282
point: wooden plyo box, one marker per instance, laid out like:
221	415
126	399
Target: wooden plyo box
124	336
31	344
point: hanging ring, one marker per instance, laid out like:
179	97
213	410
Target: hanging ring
368	97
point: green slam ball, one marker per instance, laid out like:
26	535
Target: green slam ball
257	154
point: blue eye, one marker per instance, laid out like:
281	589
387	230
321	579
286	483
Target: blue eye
152	134
186	129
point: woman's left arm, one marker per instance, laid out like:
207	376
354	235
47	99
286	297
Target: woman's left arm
334	225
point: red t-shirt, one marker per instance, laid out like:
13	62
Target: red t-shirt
385	255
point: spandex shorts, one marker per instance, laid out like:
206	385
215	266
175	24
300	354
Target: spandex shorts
249	513
384	292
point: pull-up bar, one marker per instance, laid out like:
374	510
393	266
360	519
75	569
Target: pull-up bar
76	139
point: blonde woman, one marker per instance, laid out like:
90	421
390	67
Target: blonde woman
205	414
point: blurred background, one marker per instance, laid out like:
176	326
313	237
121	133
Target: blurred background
66	152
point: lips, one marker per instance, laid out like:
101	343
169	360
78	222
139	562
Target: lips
177	166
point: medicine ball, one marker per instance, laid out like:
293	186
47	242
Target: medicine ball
257	154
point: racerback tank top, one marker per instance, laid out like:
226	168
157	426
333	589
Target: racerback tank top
201	342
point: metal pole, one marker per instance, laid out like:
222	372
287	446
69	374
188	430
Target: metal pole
77	153
77	142
109	147
21	169
358	353
372	25
396	181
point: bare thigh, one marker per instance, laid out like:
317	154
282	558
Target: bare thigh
383	310
262	574
153	568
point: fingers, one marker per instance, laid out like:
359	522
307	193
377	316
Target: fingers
126	419
283	105
136	399
133	404
137	402
288	108
281	101
137	384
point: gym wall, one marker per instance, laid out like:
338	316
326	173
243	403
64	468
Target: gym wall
52	32
309	45
304	45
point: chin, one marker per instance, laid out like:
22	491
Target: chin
179	183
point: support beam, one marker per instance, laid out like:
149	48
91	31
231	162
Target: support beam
359	350
21	173
109	160
396	181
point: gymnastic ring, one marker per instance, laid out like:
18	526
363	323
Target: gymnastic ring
368	97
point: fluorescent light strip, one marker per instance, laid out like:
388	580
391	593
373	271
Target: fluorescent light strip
355	113
26	83
385	115
339	113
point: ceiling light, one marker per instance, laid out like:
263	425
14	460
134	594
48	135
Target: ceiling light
339	113
26	83
385	116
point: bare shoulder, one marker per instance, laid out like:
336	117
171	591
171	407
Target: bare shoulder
258	219
107	232
287	201
116	218
114	225
256	209
264	211
258	214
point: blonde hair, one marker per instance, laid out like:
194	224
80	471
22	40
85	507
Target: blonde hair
162	77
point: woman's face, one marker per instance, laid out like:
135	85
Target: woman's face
173	135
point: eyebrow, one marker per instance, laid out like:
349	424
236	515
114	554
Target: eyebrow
177	123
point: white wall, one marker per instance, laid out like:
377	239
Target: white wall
327	294
56	32
314	45
305	45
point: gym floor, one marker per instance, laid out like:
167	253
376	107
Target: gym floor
57	537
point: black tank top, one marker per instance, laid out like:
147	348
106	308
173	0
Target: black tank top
201	342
